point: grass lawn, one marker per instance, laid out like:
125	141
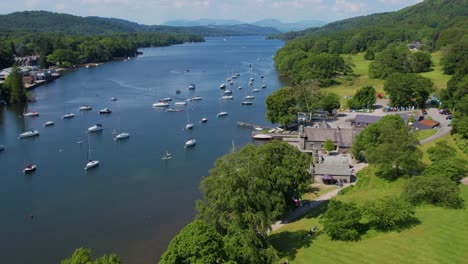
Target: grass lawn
451	142
440	237
349	85
423	134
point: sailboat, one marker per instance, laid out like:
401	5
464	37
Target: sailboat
29	168
91	163
167	155
122	135
189	125
160	103
190	143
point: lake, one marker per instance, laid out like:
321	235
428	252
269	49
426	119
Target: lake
134	202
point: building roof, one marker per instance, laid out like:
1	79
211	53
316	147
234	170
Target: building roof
370	119
333	166
420	126
342	137
429	123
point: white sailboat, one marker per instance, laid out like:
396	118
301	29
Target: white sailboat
30	133
121	135
68	116
49	123
95	128
85	108
91	163
190	143
189	125
220	114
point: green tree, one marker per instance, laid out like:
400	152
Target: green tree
281	106
321	66
438	191
456	58
408	89
391	146
452	168
420	61
441	151
365	97
83	256
330	102
329	145
247	191
342	221
370	54
457	87
196	243
388	213
63	57
14	87
394	59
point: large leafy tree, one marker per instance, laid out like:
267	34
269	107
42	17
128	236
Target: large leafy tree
456	58
13	87
247	191
391	146
342	221
408	89
330	101
388	213
281	106
318	66
83	256
197	243
365	97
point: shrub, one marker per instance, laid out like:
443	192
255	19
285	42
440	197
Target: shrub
389	213
438	191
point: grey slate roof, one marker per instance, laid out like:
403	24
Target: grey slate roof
370	119
334	166
342	137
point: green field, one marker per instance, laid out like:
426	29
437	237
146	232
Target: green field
349	85
423	134
440	237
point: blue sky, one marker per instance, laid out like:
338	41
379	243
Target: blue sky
158	11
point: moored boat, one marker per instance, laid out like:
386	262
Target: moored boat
85	108
68	115
30	168
180	103
30	133
49	123
222	86
227	97
197	98
105	111
190	143
31	114
204	120
123	135
246	102
95	128
91	164
220	114
262	137
160	104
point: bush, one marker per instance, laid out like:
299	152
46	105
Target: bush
389	213
341	221
441	151
438	191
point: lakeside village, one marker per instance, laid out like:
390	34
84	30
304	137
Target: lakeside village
341	128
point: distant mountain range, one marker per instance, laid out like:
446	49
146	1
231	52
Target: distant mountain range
44	21
273	23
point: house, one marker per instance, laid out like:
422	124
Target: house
331	169
425	124
5	72
362	121
27	60
312	139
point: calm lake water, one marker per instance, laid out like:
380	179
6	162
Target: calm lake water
134	202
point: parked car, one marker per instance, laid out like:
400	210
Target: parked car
444	112
423	111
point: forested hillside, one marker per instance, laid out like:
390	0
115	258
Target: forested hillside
43	21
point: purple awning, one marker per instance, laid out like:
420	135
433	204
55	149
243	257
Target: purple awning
327	177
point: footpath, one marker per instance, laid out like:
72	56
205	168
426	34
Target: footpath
301	211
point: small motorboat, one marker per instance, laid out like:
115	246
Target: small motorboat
191	86
263	85
113	99
248	97
228	79
246	102
250	83
240	87
204	120
181	103
237	74
30	114
68	116
166	99
95	128
220	114
178	91
105	111
228	92
222	86
123	135
197	98
189	126
252	79
227	97
49	123
85	108
256	90
173	110
161	104
30	133
190	143
91	164
231	83
30	168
